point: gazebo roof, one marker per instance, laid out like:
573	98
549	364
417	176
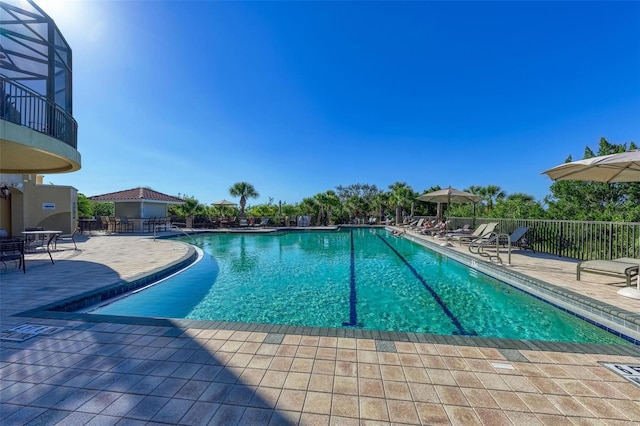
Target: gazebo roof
137	194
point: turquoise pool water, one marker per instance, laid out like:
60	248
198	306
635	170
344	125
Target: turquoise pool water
359	278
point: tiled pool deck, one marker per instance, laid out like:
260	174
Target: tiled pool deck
102	371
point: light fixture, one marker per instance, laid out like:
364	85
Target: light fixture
5	191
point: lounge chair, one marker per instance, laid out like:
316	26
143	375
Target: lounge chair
623	267
466	229
437	229
417	225
479	234
516	238
410	224
519	240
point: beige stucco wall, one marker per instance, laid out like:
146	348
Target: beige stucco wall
34	205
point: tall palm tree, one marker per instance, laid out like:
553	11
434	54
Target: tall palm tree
401	195
379	203
332	201
493	193
243	190
321	201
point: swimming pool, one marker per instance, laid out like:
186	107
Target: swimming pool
353	278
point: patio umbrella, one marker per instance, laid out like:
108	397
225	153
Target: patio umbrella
450	195
223	203
622	167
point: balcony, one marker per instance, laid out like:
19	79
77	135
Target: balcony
36	136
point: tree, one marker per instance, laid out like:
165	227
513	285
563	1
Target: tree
309	206
102	209
365	194
189	209
328	202
492	194
243	190
266	210
85	208
380	204
401	196
518	206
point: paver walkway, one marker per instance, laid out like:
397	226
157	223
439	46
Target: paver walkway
106	372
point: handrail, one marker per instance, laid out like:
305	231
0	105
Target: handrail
480	246
25	107
172	226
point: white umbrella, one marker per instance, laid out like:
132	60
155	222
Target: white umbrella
623	167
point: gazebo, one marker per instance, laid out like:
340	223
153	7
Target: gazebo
138	204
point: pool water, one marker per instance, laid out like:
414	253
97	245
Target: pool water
357	278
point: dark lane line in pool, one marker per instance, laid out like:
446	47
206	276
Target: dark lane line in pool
454	320
353	297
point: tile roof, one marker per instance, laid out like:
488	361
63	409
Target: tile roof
137	194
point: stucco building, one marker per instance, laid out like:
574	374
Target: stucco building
38	133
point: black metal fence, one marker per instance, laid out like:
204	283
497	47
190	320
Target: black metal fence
22	106
585	240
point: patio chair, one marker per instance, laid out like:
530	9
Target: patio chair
161	223
622	267
438	228
517	238
147	224
67	237
31	242
125	225
12	249
409	224
104	223
476	233
417	226
113	223
486	233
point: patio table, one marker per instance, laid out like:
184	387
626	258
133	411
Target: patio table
49	234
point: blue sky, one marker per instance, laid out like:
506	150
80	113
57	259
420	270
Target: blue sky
189	97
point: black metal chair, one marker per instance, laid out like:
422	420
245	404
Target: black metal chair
125	225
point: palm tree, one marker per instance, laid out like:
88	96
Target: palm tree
401	196
243	190
493	193
380	201
331	201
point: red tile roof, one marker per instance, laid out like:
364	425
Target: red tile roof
137	194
